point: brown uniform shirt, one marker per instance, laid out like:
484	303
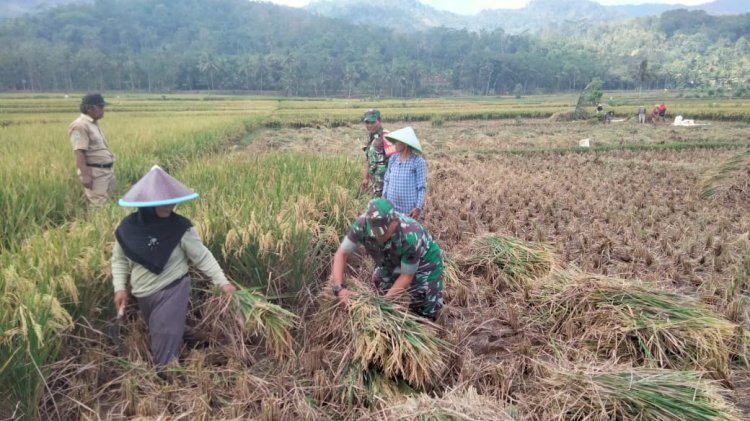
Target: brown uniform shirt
85	135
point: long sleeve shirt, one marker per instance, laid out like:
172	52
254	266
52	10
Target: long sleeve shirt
405	183
144	282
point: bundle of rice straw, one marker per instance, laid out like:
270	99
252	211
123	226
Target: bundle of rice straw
455	405
269	320
510	262
402	344
383	334
624	320
623	394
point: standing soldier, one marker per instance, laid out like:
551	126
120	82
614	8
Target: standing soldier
93	157
407	259
377	161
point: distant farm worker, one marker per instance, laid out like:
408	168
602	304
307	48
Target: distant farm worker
407	259
599	108
609	116
663	111
642	114
93	157
153	247
655	113
375	153
405	181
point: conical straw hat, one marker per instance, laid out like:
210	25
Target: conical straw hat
407	136
156	188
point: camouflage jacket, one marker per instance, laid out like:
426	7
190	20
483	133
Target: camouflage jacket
410	249
377	162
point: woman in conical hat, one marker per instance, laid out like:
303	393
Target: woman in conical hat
153	247
405	182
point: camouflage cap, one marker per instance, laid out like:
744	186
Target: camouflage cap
379	214
371	116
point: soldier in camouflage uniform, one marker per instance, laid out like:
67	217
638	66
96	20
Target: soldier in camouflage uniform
377	162
407	258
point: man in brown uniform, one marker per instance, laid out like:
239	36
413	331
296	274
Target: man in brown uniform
93	157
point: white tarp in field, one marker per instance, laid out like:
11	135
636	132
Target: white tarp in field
679	121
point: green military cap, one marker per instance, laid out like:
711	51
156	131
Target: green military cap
371	116
379	215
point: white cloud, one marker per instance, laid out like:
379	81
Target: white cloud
469	7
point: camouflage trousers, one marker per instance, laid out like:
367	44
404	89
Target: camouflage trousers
426	290
375	184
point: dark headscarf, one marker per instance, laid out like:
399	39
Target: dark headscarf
148	239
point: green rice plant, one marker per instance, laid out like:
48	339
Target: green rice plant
268	227
641	394
620	319
31	322
509	262
271	321
455	405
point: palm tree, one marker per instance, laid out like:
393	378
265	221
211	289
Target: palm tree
209	65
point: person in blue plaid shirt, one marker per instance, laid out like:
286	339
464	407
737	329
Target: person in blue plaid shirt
405	182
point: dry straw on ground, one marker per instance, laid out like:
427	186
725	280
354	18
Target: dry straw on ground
455	405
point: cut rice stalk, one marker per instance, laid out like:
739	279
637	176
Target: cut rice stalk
510	262
625	320
644	394
269	320
402	344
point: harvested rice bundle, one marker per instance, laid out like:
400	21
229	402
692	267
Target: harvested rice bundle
380	333
248	312
510	262
272	321
402	344
620	394
624	320
454	406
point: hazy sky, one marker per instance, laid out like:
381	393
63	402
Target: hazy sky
474	6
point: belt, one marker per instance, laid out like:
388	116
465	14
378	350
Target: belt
101	165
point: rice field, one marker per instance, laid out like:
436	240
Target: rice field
593	283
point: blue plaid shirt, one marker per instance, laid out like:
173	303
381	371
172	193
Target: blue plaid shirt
406	183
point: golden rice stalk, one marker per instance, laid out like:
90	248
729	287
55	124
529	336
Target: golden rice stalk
628	394
402	344
623	320
510	262
379	333
455	405
271	321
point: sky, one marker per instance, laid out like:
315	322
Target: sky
468	7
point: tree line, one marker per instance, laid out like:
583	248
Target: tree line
235	45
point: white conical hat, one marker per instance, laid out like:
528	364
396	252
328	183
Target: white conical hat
156	188
407	136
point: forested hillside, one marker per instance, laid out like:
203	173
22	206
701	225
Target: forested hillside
246	46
